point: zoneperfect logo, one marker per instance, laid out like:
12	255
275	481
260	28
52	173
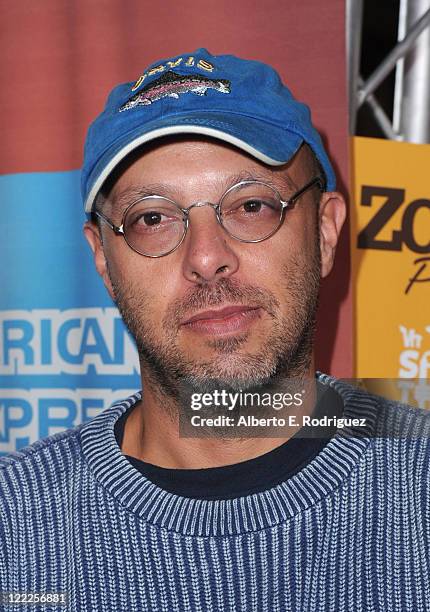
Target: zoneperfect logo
59	368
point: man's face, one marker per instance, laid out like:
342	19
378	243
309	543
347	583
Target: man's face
216	309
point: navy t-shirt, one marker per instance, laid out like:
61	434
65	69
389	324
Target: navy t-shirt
247	477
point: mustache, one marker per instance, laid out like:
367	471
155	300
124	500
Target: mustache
226	290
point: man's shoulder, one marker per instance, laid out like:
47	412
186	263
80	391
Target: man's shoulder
38	477
59	449
59	452
401	420
358	393
389	419
401	434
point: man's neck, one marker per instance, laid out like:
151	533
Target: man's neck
152	435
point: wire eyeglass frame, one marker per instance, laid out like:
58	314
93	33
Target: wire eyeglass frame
119	229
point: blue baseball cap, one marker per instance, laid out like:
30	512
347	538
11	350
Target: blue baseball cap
242	102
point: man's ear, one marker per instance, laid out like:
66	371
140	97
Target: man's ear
332	213
93	236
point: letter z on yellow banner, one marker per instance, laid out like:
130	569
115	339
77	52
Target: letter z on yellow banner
390	224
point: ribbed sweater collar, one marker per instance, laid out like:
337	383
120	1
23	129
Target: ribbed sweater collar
198	517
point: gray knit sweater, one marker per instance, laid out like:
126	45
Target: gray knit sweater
349	532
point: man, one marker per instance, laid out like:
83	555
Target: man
212	217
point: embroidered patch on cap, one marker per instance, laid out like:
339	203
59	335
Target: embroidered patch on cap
172	85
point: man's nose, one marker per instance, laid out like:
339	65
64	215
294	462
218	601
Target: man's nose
208	248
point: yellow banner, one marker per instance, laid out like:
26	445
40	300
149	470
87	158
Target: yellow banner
390	224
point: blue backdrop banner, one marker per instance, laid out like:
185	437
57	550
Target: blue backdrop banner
64	351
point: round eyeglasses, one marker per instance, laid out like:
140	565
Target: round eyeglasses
250	211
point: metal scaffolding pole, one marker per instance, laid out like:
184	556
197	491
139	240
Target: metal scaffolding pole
387	65
411	55
412	95
354	20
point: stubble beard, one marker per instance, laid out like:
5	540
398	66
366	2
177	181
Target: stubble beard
285	352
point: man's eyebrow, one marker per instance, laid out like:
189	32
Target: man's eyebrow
281	182
119	202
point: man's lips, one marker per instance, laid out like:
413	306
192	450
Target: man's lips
223	320
222	313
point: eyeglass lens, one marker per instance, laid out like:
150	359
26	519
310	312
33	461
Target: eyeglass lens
249	211
154	226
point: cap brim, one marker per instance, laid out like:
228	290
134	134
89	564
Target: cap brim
267	143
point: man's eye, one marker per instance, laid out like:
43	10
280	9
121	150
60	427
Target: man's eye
151	218
253	206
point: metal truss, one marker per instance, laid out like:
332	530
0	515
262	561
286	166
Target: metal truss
411	59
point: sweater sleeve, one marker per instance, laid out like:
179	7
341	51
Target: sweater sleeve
4	540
